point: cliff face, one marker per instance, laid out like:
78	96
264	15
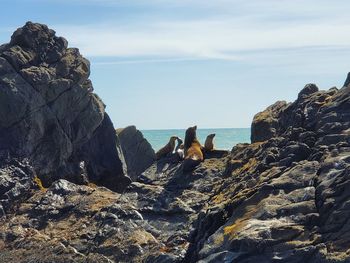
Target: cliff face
49	114
282	198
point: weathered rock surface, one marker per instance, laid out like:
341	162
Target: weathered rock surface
265	123
17	183
285	197
150	222
282	198
137	151
49	114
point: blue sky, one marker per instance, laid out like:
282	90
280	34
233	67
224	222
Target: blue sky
171	64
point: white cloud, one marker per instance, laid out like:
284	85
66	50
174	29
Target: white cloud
213	38
143	61
223	28
220	29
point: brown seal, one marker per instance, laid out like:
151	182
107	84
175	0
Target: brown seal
193	150
209	145
167	149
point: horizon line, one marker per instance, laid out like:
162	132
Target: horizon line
206	128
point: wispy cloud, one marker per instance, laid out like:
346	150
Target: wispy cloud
220	29
227	27
145	61
219	39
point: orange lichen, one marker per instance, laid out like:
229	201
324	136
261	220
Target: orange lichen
263	116
218	239
236	162
239	223
142	237
251	163
326	102
232	229
39	183
92	185
247	166
165	249
219	198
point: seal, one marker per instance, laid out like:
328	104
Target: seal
193	150
209	145
179	150
167	149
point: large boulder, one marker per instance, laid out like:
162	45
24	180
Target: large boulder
49	113
138	152
265	123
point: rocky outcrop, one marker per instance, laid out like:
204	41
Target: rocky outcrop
150	222
285	197
49	114
265	124
138	153
282	198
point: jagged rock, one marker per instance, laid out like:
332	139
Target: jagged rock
16	183
265	123
138	153
48	112
285	197
308	90
347	81
106	157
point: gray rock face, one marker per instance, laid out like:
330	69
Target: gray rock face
48	112
138	153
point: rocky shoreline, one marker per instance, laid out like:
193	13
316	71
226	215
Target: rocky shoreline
72	189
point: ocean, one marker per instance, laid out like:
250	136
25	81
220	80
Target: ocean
225	138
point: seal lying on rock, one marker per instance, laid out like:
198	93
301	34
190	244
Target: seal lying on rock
167	149
209	145
193	150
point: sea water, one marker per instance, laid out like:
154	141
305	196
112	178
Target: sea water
225	138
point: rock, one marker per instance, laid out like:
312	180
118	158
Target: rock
285	196
265	123
16	183
347	81
106	158
49	114
138	153
308	90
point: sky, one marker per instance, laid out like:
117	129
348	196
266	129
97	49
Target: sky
161	64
